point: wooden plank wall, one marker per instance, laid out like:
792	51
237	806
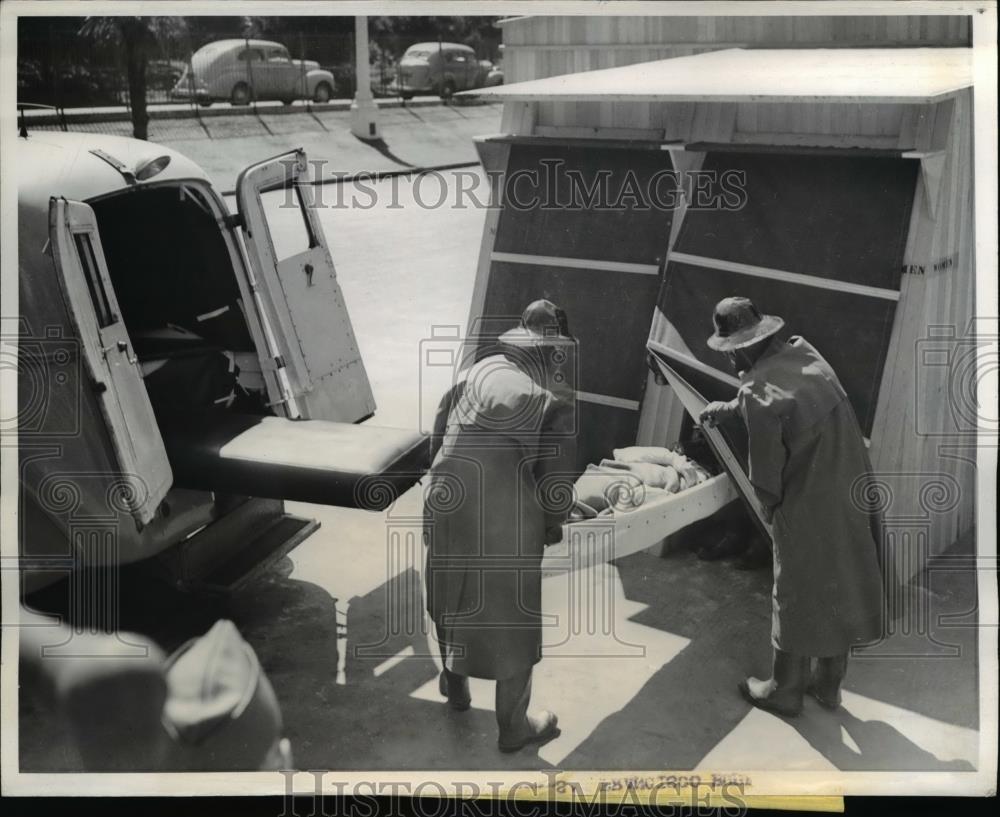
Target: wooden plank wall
536	47
921	446
819	124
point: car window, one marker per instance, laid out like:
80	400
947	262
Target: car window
457	57
251	54
420	55
277	55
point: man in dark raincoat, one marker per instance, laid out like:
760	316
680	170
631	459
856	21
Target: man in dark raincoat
809	468
506	434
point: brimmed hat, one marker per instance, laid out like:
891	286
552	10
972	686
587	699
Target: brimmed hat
542	322
738	323
221	710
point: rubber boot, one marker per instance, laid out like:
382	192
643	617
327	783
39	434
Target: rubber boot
517	727
451	685
783	692
827	677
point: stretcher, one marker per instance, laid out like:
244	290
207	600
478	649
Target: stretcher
327	463
625	532
592	541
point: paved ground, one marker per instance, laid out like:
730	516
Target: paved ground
643	655
419	136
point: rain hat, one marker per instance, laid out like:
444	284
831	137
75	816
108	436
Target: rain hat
542	322
738	323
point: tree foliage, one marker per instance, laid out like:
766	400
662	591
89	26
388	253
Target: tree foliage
138	38
397	32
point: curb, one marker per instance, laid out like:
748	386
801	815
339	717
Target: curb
90	117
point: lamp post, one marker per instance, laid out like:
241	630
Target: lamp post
364	112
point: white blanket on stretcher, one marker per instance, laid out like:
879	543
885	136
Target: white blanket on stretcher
635	475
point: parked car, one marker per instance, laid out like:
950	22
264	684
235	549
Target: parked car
243	70
440	68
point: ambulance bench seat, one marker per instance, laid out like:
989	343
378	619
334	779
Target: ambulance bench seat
327	463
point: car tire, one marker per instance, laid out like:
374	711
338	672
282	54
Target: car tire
447	89
206	103
240	94
322	93
406	95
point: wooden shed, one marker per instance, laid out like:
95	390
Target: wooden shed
842	201
541	45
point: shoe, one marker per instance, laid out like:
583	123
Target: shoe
765	702
457	693
544	727
783	692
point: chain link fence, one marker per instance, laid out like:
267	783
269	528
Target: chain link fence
66	70
67	63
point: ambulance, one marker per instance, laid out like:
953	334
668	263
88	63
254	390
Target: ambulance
182	369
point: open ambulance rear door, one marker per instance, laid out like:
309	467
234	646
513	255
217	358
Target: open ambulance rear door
110	363
315	369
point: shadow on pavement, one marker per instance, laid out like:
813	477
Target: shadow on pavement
381	146
380	715
689	705
881	747
371	720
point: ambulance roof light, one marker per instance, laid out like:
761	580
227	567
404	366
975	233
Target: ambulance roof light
148	169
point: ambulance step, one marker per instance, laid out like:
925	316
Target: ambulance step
259	554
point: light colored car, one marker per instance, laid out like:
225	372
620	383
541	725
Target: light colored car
440	68
243	70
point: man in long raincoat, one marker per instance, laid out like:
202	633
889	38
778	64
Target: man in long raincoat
810	470
493	502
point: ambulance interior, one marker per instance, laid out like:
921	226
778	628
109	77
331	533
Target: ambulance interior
172	267
174	280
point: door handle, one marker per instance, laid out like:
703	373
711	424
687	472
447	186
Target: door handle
121	347
308	270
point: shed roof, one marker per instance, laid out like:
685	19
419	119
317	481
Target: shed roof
764	75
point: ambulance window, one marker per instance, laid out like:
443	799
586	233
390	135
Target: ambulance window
290	230
95	283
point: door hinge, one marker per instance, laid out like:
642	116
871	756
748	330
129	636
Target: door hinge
233	220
